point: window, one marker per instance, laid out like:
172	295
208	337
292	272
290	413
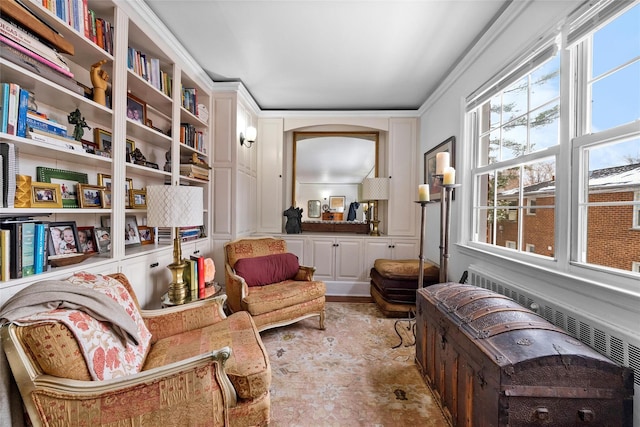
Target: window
635	266
518	141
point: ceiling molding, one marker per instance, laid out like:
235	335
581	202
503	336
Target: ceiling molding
495	28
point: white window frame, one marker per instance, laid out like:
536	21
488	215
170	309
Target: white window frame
567	226
636	210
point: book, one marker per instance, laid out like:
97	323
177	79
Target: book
55	140
5	239
191	278
194	171
12	111
23	106
4	106
19	35
35	121
28	248
15	248
39	248
199	274
9	169
36	67
35	56
19	13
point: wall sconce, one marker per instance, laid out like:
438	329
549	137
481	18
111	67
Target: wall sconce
250	137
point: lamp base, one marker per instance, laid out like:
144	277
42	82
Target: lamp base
178	290
375	231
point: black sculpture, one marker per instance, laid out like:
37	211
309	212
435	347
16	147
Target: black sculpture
294	220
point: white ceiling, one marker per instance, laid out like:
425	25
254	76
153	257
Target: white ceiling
329	54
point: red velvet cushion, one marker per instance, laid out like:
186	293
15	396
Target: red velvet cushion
265	270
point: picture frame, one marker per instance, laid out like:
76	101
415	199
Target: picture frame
90	196
146	235
336	203
313	208
87	239
68	181
89	147
131	232
103	239
45	195
106	199
136	109
104	180
128	186
130	147
138	199
430	178
103	139
63	238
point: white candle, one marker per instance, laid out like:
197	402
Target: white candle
423	193
449	176
442	162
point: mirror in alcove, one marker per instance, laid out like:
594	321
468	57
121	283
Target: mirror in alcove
330	166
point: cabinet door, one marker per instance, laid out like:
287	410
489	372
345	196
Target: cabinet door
349	257
270	182
149	277
402	170
296	246
405	249
376	249
323	250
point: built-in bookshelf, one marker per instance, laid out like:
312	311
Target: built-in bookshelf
118	150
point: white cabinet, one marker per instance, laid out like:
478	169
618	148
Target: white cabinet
337	258
149	276
297	246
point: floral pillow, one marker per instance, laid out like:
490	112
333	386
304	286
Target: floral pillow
106	354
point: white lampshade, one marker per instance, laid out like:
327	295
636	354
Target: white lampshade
174	206
251	134
375	189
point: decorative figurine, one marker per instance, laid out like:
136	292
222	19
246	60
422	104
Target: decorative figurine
75	118
294	220
99	78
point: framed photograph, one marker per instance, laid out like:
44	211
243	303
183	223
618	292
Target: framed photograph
90	196
131	145
136	109
68	181
146	234
90	147
44	195
106	199
435	183
103	239
63	238
131	233
336	203
138	199
103	139
87	240
128	186
104	180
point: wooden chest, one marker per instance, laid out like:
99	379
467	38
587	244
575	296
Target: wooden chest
492	362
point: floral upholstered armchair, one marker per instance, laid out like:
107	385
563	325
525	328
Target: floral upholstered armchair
265	280
198	367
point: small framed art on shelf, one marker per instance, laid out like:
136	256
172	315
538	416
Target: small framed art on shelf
146	234
63	238
136	109
131	233
45	195
90	196
87	239
68	181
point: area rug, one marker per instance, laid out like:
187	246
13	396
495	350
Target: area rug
349	374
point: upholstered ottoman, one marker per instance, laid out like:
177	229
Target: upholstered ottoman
394	284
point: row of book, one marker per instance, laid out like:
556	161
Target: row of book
186	234
199	276
190	100
8	171
191	136
23	248
77	15
149	69
191	170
